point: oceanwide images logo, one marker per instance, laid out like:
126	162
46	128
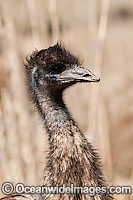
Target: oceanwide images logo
8	188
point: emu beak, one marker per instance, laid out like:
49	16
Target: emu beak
86	75
80	74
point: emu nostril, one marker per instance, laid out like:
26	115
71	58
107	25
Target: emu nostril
86	75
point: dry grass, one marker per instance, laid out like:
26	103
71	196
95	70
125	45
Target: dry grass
22	139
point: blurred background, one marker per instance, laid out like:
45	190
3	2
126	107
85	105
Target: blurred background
100	32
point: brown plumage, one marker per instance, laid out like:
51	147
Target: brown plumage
71	158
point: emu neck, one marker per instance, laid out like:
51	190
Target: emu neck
71	159
65	140
54	112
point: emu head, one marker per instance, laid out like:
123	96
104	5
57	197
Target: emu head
56	68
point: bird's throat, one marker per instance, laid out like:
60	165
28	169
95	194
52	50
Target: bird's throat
54	113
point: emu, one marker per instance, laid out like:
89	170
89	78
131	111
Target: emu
71	158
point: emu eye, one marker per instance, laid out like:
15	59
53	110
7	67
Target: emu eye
57	69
